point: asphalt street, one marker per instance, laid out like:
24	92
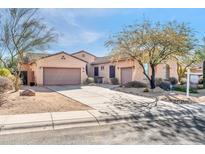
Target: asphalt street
172	131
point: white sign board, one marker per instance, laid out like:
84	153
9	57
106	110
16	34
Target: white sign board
194	78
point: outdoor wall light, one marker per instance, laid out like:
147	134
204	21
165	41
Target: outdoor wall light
63	57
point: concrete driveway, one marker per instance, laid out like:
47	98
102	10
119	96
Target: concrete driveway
95	96
108	101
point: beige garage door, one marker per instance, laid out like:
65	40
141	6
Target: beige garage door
61	76
126	75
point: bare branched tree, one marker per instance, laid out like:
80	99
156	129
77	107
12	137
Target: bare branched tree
22	31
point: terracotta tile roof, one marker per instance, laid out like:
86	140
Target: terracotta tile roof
83	52
32	57
101	60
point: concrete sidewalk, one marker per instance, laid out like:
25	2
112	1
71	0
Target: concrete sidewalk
60	120
54	120
45	121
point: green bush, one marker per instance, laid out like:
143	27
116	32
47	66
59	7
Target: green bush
135	84
173	80
165	85
89	80
4	72
114	81
182	88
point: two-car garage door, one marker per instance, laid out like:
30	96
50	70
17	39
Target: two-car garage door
61	76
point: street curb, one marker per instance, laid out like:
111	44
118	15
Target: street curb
80	122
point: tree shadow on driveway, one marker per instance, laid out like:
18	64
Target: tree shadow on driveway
154	122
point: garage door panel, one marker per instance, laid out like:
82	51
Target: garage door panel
62	76
126	75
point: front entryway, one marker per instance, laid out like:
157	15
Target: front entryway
126	75
61	76
24	77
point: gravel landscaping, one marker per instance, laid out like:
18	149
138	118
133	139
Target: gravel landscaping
171	96
45	100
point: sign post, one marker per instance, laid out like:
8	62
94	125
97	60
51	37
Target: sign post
188	83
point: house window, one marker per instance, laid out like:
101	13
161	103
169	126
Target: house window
83	55
96	71
146	67
112	71
102	68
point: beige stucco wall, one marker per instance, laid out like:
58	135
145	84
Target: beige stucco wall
137	71
57	62
87	57
161	69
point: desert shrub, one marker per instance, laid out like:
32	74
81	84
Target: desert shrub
158	81
182	88
135	84
4	72
173	80
89	80
200	80
5	84
145	90
165	85
12	78
200	86
183	81
114	81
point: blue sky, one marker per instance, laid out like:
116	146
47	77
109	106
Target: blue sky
88	29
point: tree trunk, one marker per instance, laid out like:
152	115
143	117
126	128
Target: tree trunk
180	72
17	82
152	80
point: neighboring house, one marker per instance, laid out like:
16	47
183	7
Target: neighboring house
129	70
63	68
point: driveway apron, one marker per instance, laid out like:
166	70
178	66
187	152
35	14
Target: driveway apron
112	102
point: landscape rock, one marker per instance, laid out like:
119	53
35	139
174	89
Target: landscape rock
92	84
28	92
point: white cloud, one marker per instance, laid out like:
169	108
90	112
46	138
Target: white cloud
84	37
70	29
89	37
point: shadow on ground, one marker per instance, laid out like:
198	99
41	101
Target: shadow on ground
165	123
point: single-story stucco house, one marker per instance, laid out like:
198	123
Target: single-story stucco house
69	69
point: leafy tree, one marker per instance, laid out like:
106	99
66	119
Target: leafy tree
21	32
201	53
190	59
151	43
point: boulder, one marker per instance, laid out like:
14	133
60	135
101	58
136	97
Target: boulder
28	92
